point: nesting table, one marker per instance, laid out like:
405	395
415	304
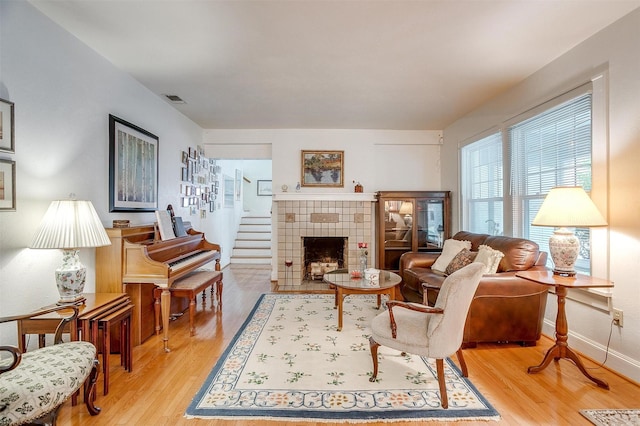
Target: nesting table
98	311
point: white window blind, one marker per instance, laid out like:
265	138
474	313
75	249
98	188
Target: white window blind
482	188
550	149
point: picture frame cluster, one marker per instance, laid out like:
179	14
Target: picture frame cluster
200	184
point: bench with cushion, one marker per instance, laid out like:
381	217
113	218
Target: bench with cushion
35	384
190	286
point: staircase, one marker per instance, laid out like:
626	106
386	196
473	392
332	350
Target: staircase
253	242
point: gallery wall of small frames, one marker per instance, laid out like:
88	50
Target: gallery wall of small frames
200	182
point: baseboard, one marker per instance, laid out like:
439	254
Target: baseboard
615	361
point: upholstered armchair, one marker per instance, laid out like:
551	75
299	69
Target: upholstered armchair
433	332
35	384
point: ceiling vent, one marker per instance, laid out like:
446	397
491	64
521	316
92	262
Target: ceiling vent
175	99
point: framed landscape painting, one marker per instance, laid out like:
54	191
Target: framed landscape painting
133	168
264	187
323	168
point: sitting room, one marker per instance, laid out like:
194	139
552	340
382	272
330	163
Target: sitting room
391	130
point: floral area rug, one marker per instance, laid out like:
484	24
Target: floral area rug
288	362
613	417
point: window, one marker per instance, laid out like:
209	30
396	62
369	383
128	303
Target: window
550	149
551	145
482	185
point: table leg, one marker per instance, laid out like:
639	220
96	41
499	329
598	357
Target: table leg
165	301
561	348
339	299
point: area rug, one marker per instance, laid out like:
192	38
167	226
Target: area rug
613	417
288	362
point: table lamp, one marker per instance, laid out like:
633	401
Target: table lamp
567	207
70	225
406	210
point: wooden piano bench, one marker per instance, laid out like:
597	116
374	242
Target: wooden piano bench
189	286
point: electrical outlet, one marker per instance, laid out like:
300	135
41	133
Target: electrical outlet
617	317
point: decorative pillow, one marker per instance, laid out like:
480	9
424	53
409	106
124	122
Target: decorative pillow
460	260
450	248
490	257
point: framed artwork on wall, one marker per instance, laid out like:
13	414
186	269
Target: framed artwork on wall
228	191
7	140
322	168
133	167
264	187
238	186
7	185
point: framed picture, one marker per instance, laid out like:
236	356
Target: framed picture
264	187
185	157
228	191
322	168
238	184
7	141
133	168
7	185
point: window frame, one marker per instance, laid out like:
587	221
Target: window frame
597	86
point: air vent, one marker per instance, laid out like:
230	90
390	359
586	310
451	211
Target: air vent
175	99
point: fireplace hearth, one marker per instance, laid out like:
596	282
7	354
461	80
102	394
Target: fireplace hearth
322	255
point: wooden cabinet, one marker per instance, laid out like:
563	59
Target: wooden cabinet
410	221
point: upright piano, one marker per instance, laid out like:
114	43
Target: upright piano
137	261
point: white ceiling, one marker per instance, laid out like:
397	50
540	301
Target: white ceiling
415	65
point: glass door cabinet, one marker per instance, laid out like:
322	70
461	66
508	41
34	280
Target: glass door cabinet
410	221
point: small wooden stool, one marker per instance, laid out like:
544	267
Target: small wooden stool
189	286
122	316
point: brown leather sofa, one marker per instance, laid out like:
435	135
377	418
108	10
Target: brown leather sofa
505	308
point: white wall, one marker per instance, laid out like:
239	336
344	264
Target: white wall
63	93
221	226
615	49
255	170
378	159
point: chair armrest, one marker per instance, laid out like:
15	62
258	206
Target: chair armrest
63	321
411	306
16	355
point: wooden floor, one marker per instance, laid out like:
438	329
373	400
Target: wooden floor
162	385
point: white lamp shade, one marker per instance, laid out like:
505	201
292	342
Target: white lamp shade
568	206
70	224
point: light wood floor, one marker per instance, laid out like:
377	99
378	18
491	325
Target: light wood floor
162	385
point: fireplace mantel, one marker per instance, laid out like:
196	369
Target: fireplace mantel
322	196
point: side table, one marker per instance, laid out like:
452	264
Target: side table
561	348
345	285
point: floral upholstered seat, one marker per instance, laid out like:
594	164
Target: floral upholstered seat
35	384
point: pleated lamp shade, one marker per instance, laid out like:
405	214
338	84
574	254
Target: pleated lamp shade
70	224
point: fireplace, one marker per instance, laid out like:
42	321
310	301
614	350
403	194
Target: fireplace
347	217
322	255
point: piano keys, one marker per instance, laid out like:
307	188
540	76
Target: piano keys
137	261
